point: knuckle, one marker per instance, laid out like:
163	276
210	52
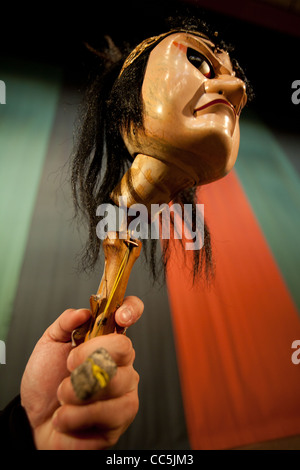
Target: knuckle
57	419
71	361
132	404
76	357
112	438
136	377
133	355
125	341
125	346
79	354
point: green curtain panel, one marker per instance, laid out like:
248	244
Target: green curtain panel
25	127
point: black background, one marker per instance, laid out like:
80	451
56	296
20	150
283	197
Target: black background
269	54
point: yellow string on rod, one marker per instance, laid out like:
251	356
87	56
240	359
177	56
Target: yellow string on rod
115	285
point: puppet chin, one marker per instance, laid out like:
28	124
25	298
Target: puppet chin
204	159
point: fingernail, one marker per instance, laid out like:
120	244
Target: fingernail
125	314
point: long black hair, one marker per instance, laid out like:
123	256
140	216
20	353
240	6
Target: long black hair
113	102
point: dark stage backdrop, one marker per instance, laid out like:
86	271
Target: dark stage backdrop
215	361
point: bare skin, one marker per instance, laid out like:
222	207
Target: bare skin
58	419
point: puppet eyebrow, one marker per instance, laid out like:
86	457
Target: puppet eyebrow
182	47
196	44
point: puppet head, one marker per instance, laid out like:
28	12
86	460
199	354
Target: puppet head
191	102
173	104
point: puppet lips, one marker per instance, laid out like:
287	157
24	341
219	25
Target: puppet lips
211	103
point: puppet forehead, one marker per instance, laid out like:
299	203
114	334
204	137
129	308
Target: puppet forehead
140	48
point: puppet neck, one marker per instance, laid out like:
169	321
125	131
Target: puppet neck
151	181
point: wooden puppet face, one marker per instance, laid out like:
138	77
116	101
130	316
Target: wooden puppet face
192	103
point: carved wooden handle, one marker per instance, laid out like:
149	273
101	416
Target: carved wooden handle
148	181
120	256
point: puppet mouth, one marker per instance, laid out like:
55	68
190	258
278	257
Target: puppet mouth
217	101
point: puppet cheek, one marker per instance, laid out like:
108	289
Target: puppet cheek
235	149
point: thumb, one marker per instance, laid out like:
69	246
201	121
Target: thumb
130	311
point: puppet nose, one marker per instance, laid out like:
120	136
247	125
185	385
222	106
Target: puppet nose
232	88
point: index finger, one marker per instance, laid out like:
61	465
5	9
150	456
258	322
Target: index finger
63	326
118	346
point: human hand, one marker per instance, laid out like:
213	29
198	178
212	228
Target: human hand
58	419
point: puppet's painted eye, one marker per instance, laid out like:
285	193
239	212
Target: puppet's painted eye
200	62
